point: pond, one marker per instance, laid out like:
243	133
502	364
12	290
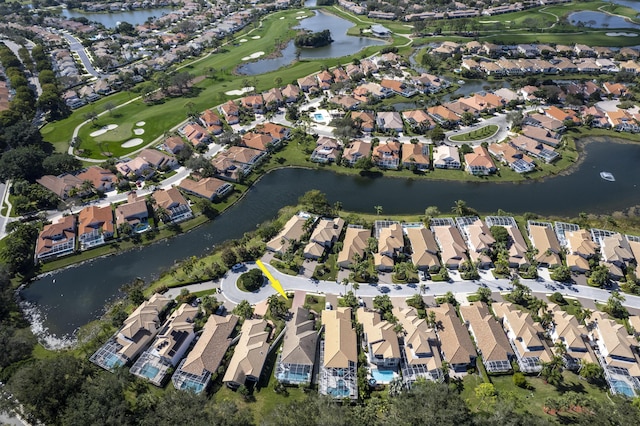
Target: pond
72	297
111	19
343	44
600	20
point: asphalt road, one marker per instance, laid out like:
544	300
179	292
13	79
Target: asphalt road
76	46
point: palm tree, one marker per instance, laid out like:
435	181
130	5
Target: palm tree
560	348
460	208
378	210
355	286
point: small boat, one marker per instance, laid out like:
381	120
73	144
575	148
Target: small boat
607	176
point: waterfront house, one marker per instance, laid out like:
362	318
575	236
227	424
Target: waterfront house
479	162
515	159
457	347
446	157
355	243
616	254
95	226
517	247
580	248
338	355
57	239
324	235
277	132
452	247
545	241
171	206
295	364
379	339
195	371
292	232
137	331
622	121
478	238
308	83
545	136
525	336
246	158
327	150
210	188
356	150
103	180
424	249
416	156
134	212
168	348
386	154
534	148
390	244
399	87
490	339
420	348
443	115
228	169
249	355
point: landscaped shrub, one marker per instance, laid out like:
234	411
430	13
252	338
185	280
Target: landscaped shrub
252	280
519	380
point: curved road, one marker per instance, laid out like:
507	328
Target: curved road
544	284
76	46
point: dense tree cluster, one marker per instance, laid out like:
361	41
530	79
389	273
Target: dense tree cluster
318	39
50	101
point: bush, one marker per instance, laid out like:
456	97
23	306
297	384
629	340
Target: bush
558	298
520	381
252	280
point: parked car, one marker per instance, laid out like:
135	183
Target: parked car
237	267
328	306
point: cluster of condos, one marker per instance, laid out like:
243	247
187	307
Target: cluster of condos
500	336
452	242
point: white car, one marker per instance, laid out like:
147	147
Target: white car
328	306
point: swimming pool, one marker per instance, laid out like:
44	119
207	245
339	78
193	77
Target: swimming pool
342	390
383	376
112	360
318	116
622	387
149	371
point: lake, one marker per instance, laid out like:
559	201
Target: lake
343	44
111	19
72	297
600	20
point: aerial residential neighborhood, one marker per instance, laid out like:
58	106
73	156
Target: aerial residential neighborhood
319	212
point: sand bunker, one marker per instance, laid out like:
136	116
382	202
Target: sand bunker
138	131
132	142
239	92
140	123
622	34
300	13
253	56
243	40
300	17
282	18
255	37
104	130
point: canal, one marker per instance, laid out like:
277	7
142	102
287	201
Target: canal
72	297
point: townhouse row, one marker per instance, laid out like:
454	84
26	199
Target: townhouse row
452	242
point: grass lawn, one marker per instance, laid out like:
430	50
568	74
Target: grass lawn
530	400
477	134
266	400
317	303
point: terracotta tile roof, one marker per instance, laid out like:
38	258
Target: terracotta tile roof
94	217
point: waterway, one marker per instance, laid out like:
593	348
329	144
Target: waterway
600	20
343	44
72	297
111	19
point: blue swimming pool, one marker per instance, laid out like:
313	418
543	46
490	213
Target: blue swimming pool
342	390
383	376
294	377
318	116
112	361
620	386
149	371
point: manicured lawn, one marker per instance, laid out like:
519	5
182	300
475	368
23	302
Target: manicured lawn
266	400
317	303
477	134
